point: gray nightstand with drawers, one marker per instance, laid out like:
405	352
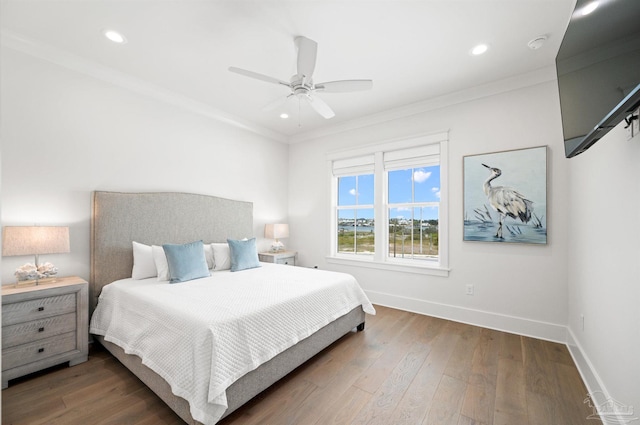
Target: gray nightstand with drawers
282	257
43	326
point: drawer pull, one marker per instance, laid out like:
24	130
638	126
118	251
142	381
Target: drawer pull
40	308
40	350
40	329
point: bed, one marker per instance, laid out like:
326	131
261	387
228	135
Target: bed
157	218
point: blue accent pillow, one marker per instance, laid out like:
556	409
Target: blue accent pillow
244	254
186	262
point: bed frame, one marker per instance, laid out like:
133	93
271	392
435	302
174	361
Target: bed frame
165	217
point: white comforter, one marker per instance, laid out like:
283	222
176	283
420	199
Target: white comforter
202	335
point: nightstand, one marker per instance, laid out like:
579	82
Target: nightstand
282	257
43	326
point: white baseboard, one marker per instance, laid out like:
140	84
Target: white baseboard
502	322
589	376
595	386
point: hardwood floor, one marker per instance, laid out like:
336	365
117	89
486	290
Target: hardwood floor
404	368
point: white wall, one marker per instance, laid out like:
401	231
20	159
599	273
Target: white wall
604	265
65	134
521	288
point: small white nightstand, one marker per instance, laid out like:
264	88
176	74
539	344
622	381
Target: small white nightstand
43	326
282	257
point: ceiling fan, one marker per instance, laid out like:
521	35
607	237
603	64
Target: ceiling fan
301	84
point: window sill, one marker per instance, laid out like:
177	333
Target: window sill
391	266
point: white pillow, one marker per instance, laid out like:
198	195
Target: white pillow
221	256
143	264
160	259
208	254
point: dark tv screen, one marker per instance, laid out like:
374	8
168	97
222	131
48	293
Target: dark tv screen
598	67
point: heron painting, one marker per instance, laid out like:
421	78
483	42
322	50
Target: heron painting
505	196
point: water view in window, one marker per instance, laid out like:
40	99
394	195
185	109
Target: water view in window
356	232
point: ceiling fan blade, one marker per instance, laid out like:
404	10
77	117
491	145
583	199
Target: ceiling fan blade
257	76
343	86
320	106
307	52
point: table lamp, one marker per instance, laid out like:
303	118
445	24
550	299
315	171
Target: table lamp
276	232
35	240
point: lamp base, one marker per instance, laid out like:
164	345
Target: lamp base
32	273
277	246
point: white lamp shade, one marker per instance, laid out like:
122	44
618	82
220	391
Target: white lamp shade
34	240
276	231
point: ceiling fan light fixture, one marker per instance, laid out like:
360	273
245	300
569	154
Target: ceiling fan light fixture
114	36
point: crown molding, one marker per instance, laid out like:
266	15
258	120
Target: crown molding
532	78
35	48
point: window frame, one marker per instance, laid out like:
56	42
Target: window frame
380	259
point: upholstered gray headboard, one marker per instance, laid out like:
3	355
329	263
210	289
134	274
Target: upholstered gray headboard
155	219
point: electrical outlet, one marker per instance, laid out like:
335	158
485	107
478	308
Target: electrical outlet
469	289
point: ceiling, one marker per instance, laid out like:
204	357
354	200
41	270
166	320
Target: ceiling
412	50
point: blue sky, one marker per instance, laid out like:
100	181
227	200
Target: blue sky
359	190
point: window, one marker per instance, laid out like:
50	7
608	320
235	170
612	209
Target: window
389	204
356	226
413	201
354	211
413	205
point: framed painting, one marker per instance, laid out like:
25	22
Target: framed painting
505	196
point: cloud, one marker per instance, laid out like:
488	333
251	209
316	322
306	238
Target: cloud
436	191
352	192
420	176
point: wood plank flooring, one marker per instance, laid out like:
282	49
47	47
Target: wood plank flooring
404	368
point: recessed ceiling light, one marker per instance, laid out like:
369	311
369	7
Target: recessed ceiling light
115	36
479	49
589	8
284	116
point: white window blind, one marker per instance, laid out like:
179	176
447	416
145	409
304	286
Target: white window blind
418	156
351	166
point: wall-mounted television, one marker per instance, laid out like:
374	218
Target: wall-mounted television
598	66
